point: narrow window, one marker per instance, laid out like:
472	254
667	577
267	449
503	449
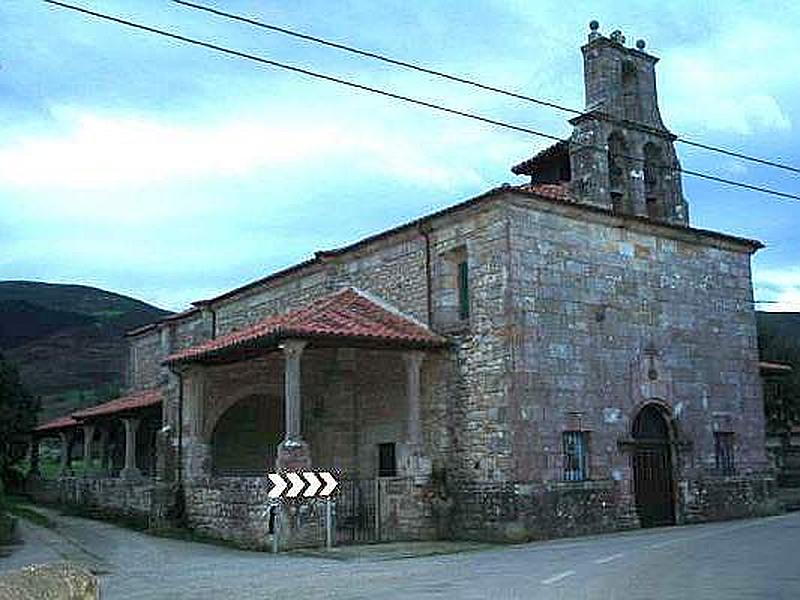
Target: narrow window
653	208
463	290
575	455
387	464
723	450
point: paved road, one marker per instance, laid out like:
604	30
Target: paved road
734	560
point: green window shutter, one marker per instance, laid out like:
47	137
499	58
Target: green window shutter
463	290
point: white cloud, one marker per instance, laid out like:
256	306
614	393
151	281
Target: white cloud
733	81
100	152
780	287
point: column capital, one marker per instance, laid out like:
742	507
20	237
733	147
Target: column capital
293	348
131	421
413	358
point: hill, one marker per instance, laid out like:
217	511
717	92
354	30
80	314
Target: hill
68	340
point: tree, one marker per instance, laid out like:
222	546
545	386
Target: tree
18	411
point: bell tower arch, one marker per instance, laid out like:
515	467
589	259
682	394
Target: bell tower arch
622	155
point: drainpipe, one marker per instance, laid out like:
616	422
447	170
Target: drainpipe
180	428
424	230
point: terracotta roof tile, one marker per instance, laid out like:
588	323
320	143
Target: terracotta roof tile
551	191
57	424
134	401
347	313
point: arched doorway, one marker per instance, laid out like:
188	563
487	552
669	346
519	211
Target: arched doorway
245	439
652	468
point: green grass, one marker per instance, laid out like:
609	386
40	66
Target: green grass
29	514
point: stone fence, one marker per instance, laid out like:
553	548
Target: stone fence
504	512
120	498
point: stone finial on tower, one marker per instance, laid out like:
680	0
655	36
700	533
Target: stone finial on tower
594	25
620	156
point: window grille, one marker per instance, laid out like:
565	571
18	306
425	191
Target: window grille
387	462
723	449
575	455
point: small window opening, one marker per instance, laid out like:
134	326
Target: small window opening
723	450
617	203
463	290
575	455
653	208
387	461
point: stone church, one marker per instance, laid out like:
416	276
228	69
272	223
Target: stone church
564	356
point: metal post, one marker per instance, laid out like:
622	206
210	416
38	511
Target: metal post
328	525
276	530
377	500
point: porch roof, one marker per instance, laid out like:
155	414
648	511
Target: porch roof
56	425
348	315
128	403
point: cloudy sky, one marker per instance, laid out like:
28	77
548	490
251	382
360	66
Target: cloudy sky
170	173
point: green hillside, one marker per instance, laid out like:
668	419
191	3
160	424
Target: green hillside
68	340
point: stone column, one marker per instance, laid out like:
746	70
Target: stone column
413	361
293	452
33	471
196	450
102	459
131	426
88	435
417	465
66	453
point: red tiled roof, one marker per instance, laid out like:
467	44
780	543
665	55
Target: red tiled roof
551	191
57	424
134	401
528	167
347	313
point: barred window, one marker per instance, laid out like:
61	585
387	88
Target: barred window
575	455
387	462
723	450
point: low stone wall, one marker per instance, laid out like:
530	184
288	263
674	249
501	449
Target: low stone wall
718	498
514	512
59	581
235	509
410	512
239	510
129	499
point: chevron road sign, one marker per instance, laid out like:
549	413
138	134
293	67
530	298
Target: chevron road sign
290	485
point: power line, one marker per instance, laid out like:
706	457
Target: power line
463	80
395	96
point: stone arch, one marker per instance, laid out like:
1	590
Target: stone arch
653	433
245	437
619	179
630	90
654	171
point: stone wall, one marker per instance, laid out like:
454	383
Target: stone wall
111	497
235	509
611	313
529	511
718	498
409	511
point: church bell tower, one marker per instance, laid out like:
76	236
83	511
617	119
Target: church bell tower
621	155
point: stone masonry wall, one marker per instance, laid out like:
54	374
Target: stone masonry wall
110	497
591	299
494	511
